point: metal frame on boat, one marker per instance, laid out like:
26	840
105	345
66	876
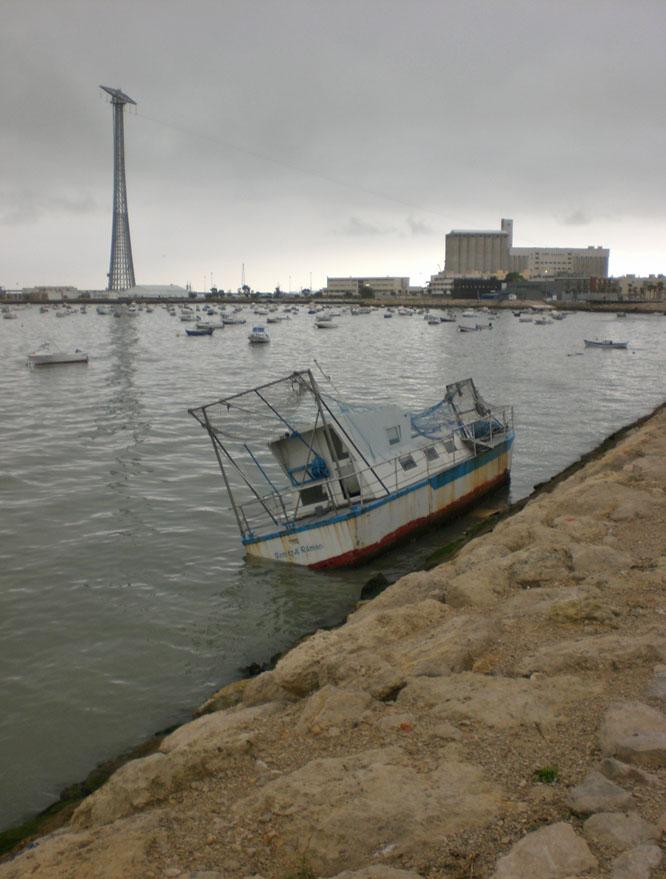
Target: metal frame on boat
315	481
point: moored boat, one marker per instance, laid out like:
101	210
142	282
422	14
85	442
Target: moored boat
259	336
43	357
604	343
341	482
199	331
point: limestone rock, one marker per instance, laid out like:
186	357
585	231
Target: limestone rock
616	832
355	650
263	689
634	732
656	689
624	772
349	808
595	652
226	697
583	610
495	701
636	863
540	565
378	871
118	851
481	586
552	852
591	559
188	753
597	794
378	652
332	707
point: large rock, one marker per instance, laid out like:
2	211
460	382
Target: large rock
634	732
193	750
494	701
593	653
597	794
379	651
332	708
616	770
613	831
637	863
346	809
552	852
119	851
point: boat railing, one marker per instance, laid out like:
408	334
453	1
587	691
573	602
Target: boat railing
283	509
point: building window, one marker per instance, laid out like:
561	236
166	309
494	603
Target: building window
393	434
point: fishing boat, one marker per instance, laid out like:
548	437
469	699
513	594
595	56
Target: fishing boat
259	336
199	331
337	482
604	343
43	357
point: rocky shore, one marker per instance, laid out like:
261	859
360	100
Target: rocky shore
499	716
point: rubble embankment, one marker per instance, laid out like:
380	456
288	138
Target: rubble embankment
499	716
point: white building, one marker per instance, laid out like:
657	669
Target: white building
380	287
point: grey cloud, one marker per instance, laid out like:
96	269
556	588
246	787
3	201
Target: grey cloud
578	217
355	226
25	207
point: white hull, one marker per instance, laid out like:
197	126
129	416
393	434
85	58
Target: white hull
53	359
347	537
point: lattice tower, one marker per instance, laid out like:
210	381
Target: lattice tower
121	268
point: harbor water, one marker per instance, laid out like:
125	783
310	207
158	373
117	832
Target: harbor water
124	596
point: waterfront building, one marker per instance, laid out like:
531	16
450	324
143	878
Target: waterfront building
359	286
440	284
489	252
481	252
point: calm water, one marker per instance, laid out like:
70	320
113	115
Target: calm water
124	598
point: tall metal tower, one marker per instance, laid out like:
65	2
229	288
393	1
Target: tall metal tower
121	268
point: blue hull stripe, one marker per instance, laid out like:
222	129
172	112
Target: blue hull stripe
436	481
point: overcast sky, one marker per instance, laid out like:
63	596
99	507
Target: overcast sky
330	137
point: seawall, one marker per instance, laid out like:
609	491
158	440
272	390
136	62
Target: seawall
501	715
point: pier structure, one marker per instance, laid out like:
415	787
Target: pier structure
121	267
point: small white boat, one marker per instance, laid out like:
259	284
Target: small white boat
9	315
388	314
469	314
259	336
102	309
448	318
433	320
43	357
325	322
233	321
604	343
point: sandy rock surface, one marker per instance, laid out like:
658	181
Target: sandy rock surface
499	716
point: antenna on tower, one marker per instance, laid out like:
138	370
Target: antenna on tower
121	268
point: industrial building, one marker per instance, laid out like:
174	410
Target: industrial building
472	253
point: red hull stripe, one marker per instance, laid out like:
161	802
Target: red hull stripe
356	556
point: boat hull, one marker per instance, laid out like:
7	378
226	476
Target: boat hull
354	535
56	359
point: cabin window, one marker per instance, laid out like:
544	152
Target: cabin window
449	445
313	495
393	434
431	453
341	452
407	463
